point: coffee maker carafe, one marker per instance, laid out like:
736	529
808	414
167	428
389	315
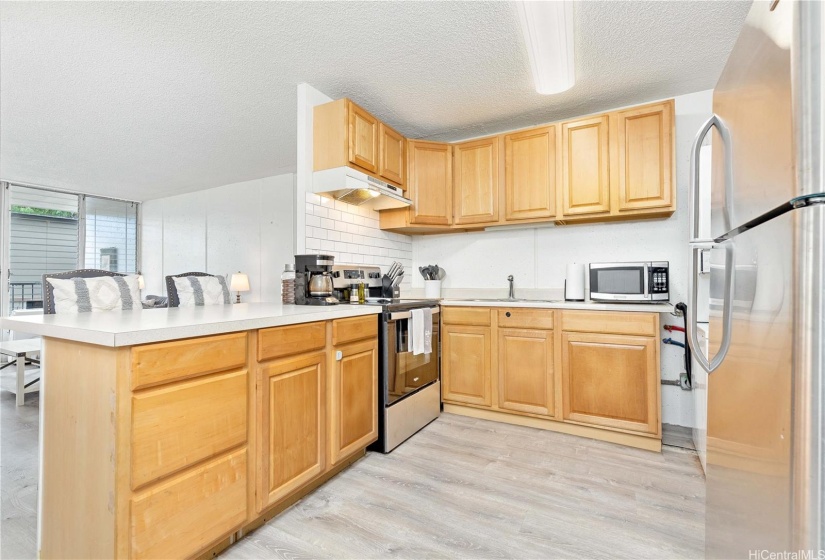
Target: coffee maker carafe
313	280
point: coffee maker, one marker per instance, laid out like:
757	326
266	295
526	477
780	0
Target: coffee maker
313	280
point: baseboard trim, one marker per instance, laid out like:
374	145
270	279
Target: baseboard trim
641	442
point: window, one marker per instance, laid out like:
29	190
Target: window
111	235
49	231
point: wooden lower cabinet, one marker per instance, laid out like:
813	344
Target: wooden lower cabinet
466	364
525	371
353	399
292	425
611	380
184	515
589	373
146	458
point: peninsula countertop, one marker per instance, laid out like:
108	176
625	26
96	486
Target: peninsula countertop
143	326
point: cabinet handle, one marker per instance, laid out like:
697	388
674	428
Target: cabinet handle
507	314
339	355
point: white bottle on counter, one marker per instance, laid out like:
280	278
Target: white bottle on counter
288	284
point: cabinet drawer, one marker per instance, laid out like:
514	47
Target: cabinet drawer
354	328
160	363
520	318
478	316
295	339
179	518
174	427
610	322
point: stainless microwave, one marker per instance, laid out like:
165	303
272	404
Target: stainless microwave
632	282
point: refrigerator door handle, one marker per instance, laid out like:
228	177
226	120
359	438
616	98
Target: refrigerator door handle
727	308
713	121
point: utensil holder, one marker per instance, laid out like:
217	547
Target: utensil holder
432	289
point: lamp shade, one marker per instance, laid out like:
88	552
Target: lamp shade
239	282
141	282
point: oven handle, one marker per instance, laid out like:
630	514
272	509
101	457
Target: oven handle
406	314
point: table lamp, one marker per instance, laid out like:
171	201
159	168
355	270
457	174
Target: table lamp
239	283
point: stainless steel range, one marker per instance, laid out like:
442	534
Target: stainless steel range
409	385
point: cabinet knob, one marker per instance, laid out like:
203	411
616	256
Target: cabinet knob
339	355
508	313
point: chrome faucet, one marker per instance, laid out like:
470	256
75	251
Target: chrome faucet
512	295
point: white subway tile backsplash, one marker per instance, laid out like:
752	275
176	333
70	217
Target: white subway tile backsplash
351	235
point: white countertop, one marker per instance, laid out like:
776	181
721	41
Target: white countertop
584	305
128	328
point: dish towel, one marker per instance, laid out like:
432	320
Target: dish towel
421	331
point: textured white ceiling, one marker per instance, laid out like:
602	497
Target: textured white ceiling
145	99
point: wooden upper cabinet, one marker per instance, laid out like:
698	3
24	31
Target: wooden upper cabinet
429	183
530	174
363	138
393	154
476	181
585	167
644	138
344	134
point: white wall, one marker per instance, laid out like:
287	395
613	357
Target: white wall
537	257
247	227
349	233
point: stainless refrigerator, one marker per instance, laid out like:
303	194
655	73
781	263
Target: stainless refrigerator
765	358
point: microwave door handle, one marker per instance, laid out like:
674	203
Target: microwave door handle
727	308
646	282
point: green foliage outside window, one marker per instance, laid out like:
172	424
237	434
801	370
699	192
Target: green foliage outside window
43	212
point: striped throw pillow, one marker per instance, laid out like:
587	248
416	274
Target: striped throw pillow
201	290
105	293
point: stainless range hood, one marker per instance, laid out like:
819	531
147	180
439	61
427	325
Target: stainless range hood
357	188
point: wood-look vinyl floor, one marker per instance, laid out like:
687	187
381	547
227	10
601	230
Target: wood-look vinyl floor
469	488
18	476
461	488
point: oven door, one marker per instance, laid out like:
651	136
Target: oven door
407	373
619	282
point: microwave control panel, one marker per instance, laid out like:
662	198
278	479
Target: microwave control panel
658	279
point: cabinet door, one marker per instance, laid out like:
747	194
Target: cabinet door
644	140
363	138
525	371
354	399
530	174
291	425
611	380
476	182
585	167
430	181
393	160
465	365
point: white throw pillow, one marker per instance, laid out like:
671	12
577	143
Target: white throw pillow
104	293
201	290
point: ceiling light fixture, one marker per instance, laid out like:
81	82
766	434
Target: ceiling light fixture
548	34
